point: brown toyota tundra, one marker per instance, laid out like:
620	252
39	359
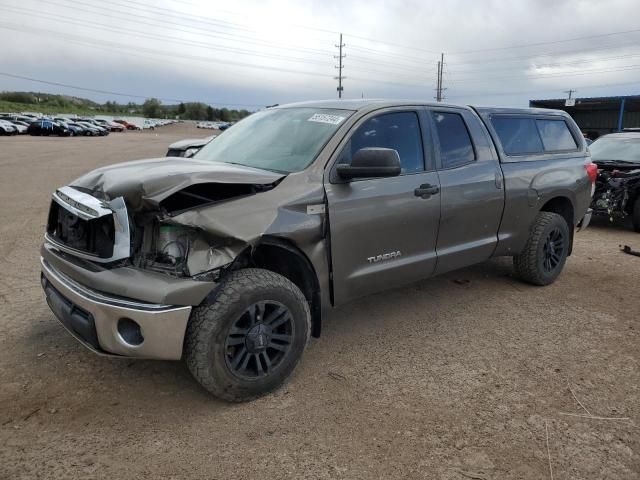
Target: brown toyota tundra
232	258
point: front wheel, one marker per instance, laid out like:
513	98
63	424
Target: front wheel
546	250
246	340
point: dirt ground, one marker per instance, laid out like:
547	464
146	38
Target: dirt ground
464	376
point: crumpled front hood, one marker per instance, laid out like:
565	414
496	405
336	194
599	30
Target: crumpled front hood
145	183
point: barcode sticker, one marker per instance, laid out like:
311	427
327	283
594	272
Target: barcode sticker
324	118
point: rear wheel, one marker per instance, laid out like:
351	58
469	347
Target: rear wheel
247	339
546	250
635	214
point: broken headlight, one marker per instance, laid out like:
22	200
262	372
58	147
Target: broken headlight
183	252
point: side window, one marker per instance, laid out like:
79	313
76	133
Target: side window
517	135
455	143
556	135
399	131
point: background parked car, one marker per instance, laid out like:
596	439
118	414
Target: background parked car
75	130
111	126
95	130
47	127
7	128
189	147
21	127
617	193
127	125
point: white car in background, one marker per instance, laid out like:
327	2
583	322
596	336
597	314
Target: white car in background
20	127
7	128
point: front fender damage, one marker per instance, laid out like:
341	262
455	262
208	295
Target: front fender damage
232	228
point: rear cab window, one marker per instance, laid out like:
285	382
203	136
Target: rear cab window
556	136
531	135
456	148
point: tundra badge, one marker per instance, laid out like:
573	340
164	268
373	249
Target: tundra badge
384	256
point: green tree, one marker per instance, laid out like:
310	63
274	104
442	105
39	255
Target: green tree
181	109
152	108
195	111
210	113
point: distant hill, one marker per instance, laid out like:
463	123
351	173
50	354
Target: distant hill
50	104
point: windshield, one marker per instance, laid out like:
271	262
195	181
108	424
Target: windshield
284	140
623	149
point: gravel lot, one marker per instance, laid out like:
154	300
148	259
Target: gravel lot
456	377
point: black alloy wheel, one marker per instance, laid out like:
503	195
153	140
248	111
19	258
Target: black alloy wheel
553	250
259	340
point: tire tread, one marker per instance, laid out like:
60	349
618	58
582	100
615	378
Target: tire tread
526	263
208	318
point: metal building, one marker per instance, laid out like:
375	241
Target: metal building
598	115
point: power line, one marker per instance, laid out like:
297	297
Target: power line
133	18
174	40
529	92
547	54
119	94
126	50
234	25
537	44
388	54
554	75
417	69
550	65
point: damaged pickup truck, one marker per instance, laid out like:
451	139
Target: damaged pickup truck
617	193
231	259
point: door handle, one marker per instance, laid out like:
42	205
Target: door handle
426	190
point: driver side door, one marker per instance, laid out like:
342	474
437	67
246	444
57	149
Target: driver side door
383	230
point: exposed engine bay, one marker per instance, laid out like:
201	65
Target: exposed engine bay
180	251
617	188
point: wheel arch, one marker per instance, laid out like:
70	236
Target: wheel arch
563	206
283	257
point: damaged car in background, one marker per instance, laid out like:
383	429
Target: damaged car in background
617	193
232	258
189	147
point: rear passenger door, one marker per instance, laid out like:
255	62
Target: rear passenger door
472	193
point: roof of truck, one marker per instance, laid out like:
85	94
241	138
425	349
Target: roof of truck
362	104
368	104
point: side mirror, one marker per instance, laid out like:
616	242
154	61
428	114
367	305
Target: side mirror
371	162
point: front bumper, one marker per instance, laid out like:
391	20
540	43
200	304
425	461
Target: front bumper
99	320
586	220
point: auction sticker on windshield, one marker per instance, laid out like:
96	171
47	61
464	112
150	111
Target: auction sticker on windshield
324	118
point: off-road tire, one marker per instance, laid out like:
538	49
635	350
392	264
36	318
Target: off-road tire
210	324
635	215
529	264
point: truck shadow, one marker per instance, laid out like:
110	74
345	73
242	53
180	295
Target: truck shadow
67	372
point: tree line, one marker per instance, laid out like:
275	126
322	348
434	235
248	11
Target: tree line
151	108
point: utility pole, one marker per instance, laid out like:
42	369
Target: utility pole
570	102
340	56
439	88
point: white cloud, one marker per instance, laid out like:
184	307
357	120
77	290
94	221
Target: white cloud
252	52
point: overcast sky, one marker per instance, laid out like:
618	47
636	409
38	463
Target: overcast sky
254	53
